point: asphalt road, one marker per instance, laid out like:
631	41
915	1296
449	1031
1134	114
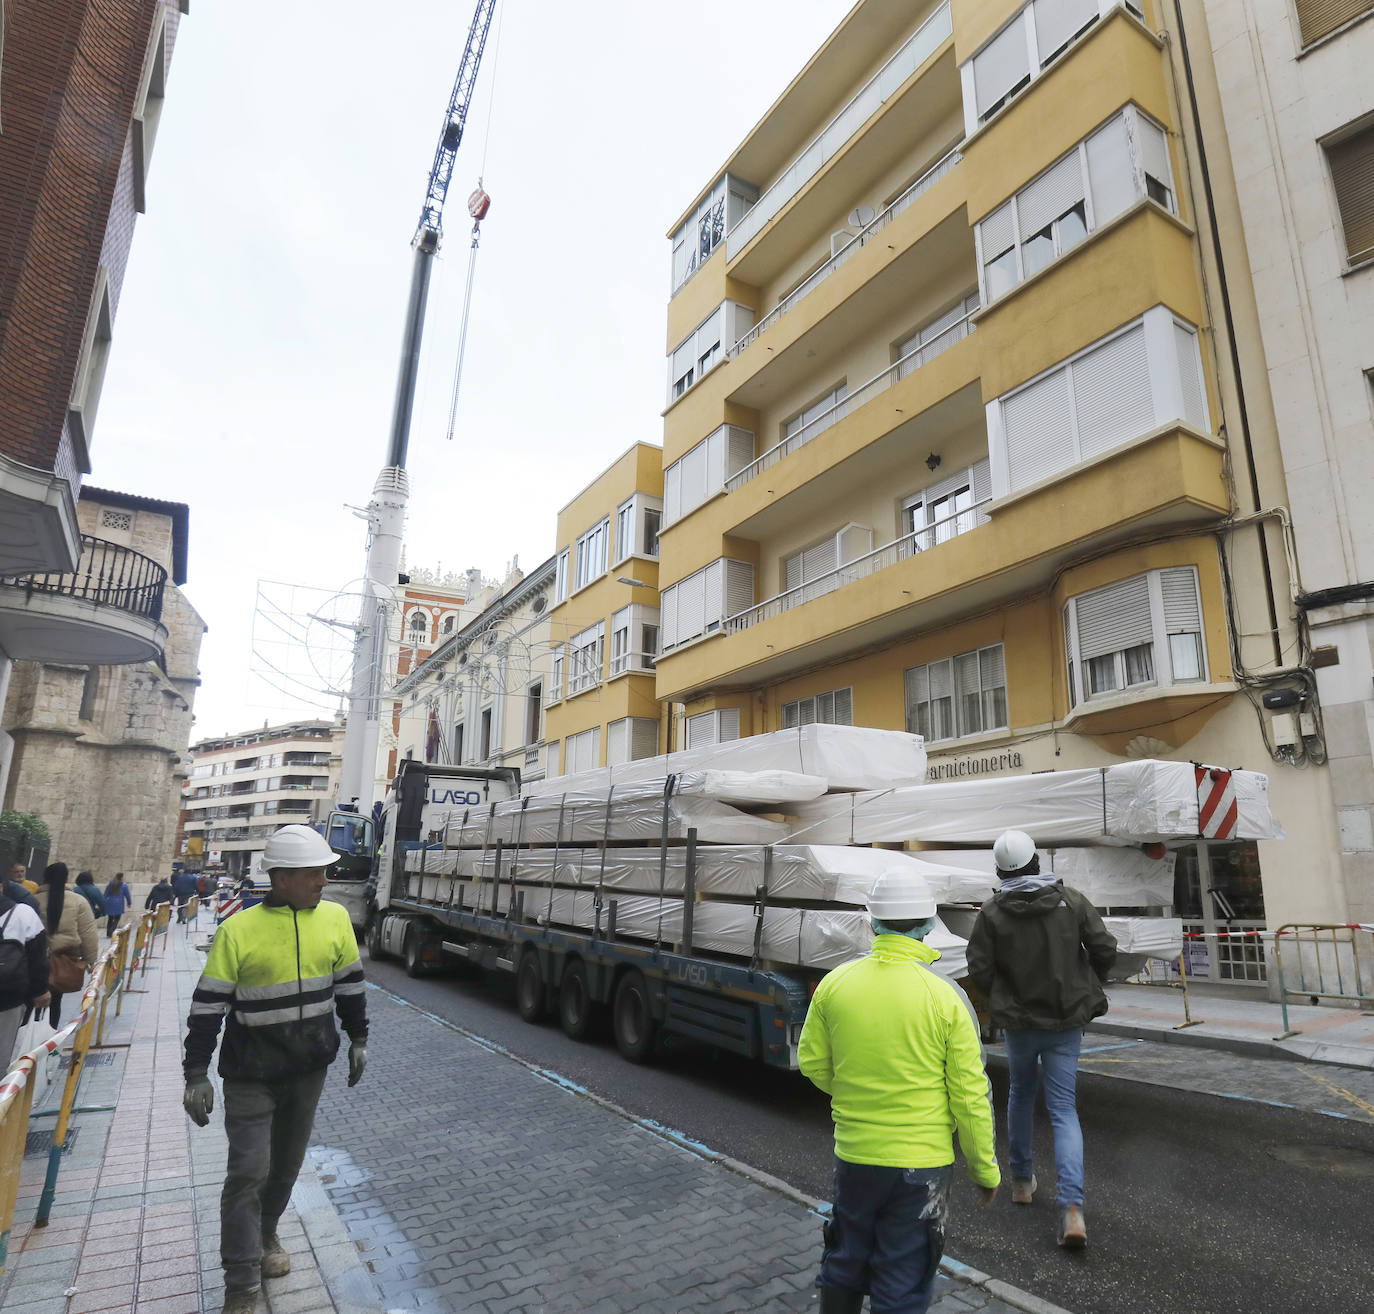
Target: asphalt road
1197	1203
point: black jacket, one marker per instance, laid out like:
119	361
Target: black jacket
16	893
160	893
1039	957
35	952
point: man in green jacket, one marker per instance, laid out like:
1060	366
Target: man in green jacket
896	1048
1039	953
278	971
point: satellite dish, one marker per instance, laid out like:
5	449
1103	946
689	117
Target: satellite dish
862	215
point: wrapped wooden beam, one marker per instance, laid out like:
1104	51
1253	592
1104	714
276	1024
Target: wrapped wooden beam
1111	877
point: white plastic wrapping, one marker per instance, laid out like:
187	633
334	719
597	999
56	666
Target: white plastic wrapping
1129	803
1110	877
848	757
1155	937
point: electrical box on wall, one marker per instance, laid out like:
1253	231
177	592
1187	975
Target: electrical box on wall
1307	724
1285	730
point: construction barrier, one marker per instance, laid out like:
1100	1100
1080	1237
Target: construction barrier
1330	960
192	912
17	1089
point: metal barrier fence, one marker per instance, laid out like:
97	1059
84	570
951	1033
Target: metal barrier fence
1324	954
108	979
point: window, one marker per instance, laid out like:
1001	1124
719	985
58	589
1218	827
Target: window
1319	18
720	210
1001	68
816	570
833	708
947	508
419	624
1146	630
534	708
625	530
818	414
590	560
634	638
556	676
148	110
484	750
582	752
630	739
1139	379
458	742
708	346
90	691
651	521
941	333
636	527
1352	174
90	371
707	728
702	472
560	587
701	603
584	659
447	626
961	695
1124	161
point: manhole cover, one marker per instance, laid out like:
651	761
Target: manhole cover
1341	1160
40	1142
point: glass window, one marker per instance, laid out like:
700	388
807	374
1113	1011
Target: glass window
590	560
961	695
653	518
624	530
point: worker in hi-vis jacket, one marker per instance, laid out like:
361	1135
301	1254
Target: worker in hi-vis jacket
896	1048
278	970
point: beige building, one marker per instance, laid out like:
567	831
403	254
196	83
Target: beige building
99	751
1297	98
244	786
479	697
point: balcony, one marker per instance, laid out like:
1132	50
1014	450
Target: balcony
107	612
841	130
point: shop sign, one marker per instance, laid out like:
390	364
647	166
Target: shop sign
961	768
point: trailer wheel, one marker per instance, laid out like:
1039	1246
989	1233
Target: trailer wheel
574	1002
633	1019
414	952
373	936
531	999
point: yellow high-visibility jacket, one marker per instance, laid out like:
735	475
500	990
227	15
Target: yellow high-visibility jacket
895	1048
278	974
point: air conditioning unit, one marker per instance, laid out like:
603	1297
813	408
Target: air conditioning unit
839	240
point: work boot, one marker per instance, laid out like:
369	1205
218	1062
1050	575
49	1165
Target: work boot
1023	1189
1073	1231
275	1261
836	1300
240	1302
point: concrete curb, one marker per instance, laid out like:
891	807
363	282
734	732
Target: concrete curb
952	1268
1313	1051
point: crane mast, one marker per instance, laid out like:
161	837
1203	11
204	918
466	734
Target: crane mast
385	513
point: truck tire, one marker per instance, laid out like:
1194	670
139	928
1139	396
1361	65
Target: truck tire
373	937
574	1002
414	950
531	998
632	1018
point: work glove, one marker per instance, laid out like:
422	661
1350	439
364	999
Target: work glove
357	1061
199	1099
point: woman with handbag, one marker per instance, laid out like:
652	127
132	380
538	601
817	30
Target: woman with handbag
73	943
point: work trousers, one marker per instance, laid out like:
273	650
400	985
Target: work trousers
886	1234
268	1124
1055	1054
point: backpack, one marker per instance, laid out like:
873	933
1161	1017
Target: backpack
14	963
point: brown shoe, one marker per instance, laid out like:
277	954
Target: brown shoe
276	1262
240	1302
1023	1188
1073	1231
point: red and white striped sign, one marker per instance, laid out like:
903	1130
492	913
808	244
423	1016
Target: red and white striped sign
1217	810
228	906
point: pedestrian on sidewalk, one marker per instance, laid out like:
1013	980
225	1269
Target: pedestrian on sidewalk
73	941
1039	953
86	887
23	970
162	892
896	1048
184	885
18	890
119	898
277	970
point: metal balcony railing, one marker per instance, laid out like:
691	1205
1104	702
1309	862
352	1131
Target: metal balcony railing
928	536
107	573
865	392
922	184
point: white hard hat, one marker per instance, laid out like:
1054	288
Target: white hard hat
1014	848
297	846
901	896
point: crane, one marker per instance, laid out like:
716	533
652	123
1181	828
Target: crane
385	513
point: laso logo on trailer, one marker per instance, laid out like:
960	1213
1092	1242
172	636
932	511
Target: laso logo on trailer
1217	810
463	798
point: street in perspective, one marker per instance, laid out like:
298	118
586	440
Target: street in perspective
886	821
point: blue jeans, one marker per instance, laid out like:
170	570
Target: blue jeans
1057	1054
886	1234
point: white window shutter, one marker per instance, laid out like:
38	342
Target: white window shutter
1001	64
818	560
1053	193
672	493
992	664
667	613
691	607
1182	612
997	232
715	462
1112	397
1110	174
792	572
980	480
713	583
643	738
701	730
843	713
1037	430
1114	617
739	587
1190	377
1056	21
728	724
618	742
741	451
1154	151
693	476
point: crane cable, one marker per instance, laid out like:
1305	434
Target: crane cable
476	233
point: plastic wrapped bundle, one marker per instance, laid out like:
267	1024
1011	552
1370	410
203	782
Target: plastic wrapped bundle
1152	937
847	757
1110	877
1130	803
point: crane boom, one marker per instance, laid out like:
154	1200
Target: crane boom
386	511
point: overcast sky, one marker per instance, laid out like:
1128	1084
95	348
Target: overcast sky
255	347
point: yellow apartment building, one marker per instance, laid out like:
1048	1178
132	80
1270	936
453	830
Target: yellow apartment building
602	708
967	431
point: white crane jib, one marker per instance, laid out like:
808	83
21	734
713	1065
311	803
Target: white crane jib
386	511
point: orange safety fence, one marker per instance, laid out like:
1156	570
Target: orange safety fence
17	1087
